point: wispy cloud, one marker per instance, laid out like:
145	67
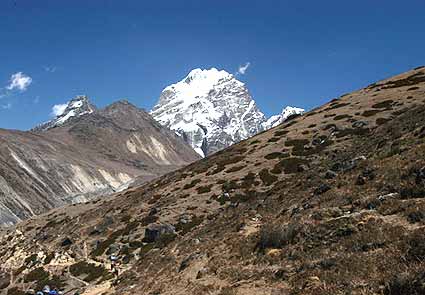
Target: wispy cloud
36	100
242	69
7	106
50	69
58	109
19	81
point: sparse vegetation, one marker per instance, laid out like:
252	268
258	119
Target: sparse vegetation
191	184
370	113
88	271
383	104
185	227
204	189
290	165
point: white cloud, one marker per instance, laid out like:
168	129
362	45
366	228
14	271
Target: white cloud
19	81
50	69
58	109
7	106
242	69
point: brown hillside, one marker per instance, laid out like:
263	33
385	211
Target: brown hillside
331	202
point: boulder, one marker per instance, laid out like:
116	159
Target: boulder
66	242
114	248
360	124
154	231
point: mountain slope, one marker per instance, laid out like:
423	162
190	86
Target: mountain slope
210	109
330	202
89	154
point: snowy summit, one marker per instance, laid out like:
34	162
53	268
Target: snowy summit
275	120
210	109
77	107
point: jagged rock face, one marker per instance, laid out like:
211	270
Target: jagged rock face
275	120
210	109
94	152
77	107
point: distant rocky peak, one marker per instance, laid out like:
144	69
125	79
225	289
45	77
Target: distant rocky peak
76	107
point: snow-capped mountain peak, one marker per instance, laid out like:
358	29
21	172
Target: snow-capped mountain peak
76	107
211	109
275	120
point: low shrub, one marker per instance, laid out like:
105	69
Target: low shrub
87	271
280	133
370	113
185	227
416	246
148	220
383	104
15	291
234	169
406	283
266	177
290	165
276	155
204	189
248	180
274	139
276	236
191	184
340	117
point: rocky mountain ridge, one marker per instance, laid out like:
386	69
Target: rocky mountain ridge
81	154
211	110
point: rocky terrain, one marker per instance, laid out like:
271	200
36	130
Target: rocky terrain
81	154
212	110
329	202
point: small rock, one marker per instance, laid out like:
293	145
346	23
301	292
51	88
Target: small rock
153	211
201	273
330	174
323	188
114	248
388	196
360	180
66	242
420	175
368	173
274	252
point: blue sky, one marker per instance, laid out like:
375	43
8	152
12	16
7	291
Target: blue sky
301	53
